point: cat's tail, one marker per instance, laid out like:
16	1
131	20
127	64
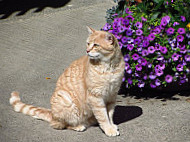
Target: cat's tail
36	112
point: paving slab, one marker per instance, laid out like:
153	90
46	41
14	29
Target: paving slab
35	50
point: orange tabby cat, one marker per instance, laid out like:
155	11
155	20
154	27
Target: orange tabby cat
86	92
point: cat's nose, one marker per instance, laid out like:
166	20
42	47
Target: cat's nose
87	51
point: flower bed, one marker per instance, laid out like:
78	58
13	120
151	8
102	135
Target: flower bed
154	37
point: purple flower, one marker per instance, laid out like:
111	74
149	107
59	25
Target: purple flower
162	66
139	49
151	49
151	37
182	80
129	17
170	31
167	18
168	78
180	38
135	56
184	63
145	77
141	84
124	40
115	15
163	50
157	30
157	47
163	22
157	67
159	72
116	20
115	31
129	32
183	51
126	58
130	47
139	32
129	81
143	62
123	79
149	65
140	37
130	40
137	74
183	19
175	24
126	22
143	19
187	70
127	11
181	31
157	82
121	29
120	45
187	58
127	66
115	24
129	70
118	36
173	46
144	52
137	41
145	43
106	27
188	35
110	31
152	85
139	25
138	67
175	57
179	67
160	58
170	40
152	76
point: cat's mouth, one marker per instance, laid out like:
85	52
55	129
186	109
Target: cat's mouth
94	55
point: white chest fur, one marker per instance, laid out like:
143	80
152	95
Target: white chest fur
105	85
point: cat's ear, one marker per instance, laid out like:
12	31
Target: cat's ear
109	38
90	30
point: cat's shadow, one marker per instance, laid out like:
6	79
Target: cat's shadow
126	113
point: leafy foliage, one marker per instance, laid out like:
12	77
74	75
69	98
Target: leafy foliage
155	40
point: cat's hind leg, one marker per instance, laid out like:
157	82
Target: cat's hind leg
57	125
79	128
66	112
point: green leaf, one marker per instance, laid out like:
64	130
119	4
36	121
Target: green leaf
159	4
174	69
156	1
155	15
164	82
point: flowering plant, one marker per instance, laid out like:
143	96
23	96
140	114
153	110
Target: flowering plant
154	37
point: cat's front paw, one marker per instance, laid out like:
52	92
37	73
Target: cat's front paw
115	126
111	131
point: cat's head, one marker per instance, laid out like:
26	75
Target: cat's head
101	45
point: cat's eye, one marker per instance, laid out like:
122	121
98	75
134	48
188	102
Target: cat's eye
97	45
88	43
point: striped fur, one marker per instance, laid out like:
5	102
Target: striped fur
85	93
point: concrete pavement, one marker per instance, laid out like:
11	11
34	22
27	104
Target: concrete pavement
35	49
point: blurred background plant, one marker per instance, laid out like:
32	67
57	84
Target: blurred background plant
155	40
